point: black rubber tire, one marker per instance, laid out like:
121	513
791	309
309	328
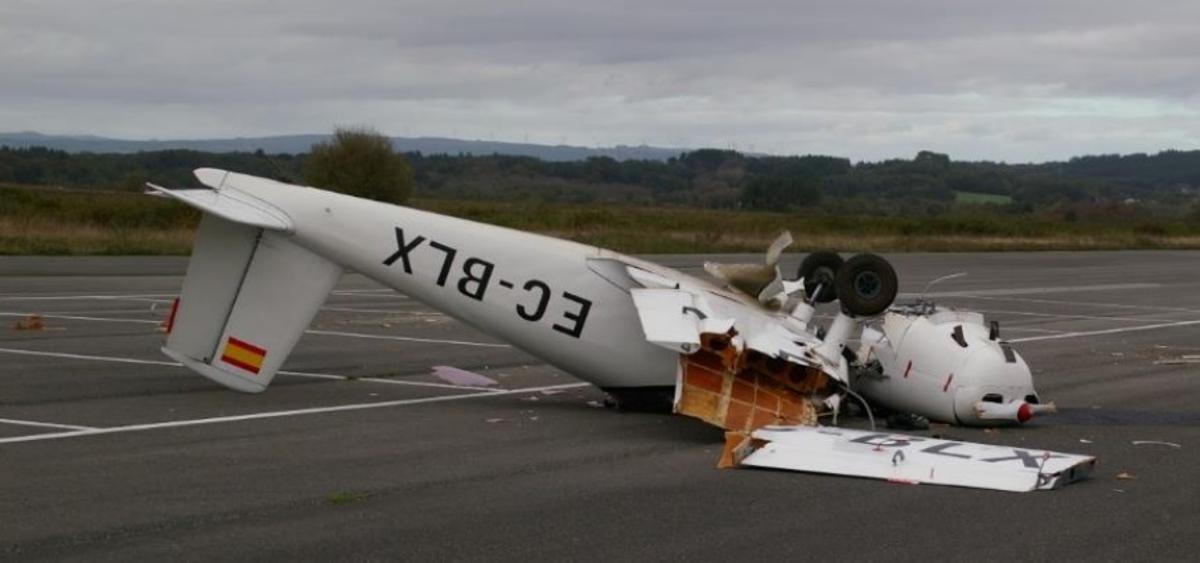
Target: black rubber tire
866	285
820	269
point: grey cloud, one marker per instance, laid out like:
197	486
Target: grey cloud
1017	80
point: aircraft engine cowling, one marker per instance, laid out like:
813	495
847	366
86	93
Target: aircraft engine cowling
948	366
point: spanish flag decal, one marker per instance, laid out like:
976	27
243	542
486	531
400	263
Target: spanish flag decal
243	354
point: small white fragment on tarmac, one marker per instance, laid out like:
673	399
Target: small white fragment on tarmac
1084	441
494	420
1126	476
530	399
462	377
1180	360
595	404
1157	443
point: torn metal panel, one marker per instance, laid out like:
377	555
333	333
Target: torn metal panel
675	319
906	459
741	390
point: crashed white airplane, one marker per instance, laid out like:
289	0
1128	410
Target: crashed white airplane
745	357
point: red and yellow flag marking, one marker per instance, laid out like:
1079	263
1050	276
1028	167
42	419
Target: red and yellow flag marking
242	354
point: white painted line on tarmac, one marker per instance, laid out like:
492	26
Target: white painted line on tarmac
107	296
117	359
1070	317
1106	331
89	357
279	414
406	338
46	424
354	310
1038	290
1031	329
387	293
80	318
317	332
1087	304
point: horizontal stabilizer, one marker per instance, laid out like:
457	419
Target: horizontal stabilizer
227	202
248	296
909	459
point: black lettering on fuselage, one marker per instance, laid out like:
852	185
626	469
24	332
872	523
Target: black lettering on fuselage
579	316
477	279
450	253
402	250
543	301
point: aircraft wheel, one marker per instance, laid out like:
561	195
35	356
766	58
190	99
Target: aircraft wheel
821	269
866	285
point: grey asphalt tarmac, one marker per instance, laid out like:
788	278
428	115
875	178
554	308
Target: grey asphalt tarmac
110	452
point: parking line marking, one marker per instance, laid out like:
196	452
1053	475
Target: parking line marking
279	414
46	424
1106	331
317	332
81	318
1068	317
113	296
1037	290
1084	304
118	359
89	357
407	339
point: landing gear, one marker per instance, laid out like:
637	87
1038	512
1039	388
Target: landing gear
866	285
819	271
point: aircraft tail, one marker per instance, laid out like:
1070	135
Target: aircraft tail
249	294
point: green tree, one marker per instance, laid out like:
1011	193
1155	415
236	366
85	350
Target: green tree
359	162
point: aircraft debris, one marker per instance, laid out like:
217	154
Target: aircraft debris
457	376
747	357
905	459
31	322
1126	476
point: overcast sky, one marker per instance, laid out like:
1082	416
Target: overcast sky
1011	80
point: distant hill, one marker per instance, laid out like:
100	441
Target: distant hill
294	144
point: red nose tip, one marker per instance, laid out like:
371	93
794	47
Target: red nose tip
1024	413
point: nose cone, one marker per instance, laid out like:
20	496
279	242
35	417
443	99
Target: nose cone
995	375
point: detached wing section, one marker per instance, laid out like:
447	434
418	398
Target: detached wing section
906	459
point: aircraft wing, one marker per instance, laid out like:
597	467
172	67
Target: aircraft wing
905	459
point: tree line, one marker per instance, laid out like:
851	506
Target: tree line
928	184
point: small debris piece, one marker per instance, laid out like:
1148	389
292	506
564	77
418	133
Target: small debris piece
1156	443
494	420
595	404
462	377
907	421
32	322
1084	441
1126	476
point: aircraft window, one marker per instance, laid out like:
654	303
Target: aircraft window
993	398
1009	355
958	337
